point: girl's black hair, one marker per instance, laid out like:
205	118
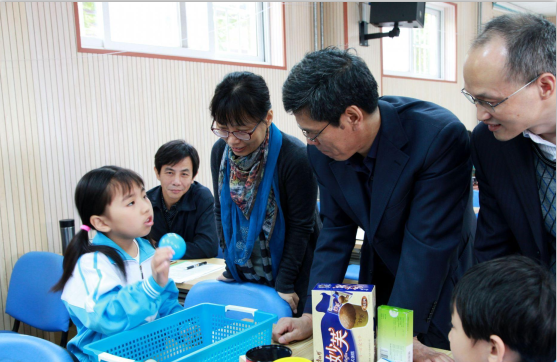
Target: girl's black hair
239	99
93	193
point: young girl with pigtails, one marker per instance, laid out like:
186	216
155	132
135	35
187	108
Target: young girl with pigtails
119	280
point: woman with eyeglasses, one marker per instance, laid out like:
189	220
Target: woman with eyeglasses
265	192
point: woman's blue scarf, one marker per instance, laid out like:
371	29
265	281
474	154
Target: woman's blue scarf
240	234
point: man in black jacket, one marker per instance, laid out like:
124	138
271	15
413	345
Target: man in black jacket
509	75
182	205
400	169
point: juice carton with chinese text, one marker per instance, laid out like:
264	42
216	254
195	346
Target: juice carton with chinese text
395	328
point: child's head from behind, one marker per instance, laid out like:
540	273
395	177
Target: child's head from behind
504	308
112	200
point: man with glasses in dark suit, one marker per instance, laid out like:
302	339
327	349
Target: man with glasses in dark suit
509	75
400	169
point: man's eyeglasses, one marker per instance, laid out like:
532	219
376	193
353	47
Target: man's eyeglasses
486	104
309	134
241	135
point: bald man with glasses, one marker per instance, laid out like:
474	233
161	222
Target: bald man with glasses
509	75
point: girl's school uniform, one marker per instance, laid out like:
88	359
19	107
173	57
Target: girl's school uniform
101	302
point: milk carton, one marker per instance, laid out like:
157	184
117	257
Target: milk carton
343	323
395	328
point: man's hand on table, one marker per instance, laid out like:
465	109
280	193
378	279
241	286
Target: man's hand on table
425	354
292	299
293	329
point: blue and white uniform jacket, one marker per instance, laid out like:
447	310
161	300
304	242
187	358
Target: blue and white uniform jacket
101	302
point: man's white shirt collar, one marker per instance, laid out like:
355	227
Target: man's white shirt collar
546	147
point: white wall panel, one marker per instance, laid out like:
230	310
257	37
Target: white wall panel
63	113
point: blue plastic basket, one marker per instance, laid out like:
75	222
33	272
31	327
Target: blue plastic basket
206	332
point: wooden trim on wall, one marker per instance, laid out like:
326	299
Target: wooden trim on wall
381	59
426	79
284	34
80	49
415	78
456	39
345	19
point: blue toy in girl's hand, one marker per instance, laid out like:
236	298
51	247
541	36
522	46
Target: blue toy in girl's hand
176	242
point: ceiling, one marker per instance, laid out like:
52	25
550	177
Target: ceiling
546	8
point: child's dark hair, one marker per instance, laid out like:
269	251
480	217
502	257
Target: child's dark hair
93	193
175	151
240	98
511	297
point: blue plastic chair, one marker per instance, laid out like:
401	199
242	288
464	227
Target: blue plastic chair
247	295
22	348
29	298
476	200
352	272
220	254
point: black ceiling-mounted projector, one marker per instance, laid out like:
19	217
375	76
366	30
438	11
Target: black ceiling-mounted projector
407	15
387	14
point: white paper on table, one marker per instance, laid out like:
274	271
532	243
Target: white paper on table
180	274
360	234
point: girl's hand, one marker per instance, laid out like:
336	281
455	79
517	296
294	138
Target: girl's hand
292	299
160	265
222	278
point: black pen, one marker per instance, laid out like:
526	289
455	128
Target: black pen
196	265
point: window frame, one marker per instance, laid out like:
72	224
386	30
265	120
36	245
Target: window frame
93	45
446	75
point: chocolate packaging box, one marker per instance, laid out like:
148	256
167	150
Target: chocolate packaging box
344	323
